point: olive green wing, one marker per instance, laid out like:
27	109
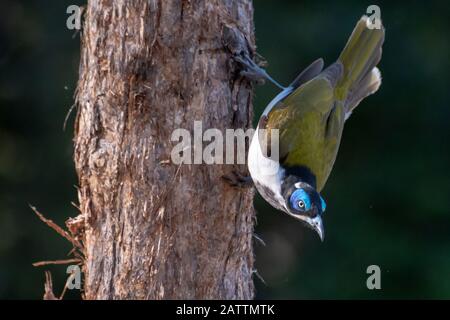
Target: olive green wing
293	116
310	124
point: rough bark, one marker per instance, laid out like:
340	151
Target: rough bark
153	229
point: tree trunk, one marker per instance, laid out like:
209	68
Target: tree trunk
154	229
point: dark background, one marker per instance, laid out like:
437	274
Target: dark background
388	196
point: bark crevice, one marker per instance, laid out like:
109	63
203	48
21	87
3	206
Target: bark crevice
154	229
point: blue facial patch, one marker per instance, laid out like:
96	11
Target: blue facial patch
297	197
324	205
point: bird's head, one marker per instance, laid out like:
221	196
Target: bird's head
304	203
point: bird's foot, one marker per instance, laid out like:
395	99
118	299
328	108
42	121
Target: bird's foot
254	72
238	180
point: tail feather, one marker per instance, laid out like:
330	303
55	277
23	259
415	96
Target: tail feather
359	59
368	85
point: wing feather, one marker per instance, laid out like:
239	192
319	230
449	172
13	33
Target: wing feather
298	115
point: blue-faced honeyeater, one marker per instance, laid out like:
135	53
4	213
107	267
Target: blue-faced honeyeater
310	115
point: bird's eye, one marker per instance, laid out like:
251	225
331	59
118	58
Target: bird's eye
300	201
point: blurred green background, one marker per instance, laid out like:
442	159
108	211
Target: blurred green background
388	196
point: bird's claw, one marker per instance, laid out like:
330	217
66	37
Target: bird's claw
250	69
253	71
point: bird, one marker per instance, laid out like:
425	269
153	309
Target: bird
309	116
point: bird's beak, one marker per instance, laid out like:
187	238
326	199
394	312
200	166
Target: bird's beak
317	224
